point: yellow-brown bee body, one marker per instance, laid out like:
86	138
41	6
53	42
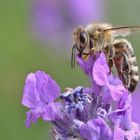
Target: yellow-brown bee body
101	37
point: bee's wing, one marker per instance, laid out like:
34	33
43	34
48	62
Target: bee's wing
123	30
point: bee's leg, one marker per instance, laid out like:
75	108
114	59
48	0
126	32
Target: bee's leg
110	62
123	69
125	62
120	61
109	57
85	56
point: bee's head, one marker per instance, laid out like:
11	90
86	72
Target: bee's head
80	42
83	40
80	38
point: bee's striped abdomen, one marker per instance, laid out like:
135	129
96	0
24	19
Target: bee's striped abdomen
127	66
132	64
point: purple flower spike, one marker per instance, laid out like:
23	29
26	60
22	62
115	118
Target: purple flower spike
40	90
100	112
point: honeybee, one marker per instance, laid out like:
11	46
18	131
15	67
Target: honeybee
119	52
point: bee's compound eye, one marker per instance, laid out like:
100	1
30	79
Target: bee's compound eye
83	37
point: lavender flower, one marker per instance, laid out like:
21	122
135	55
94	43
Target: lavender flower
99	112
55	19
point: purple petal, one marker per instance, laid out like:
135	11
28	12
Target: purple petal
48	89
87	90
135	104
39	87
133	133
105	131
87	133
85	66
122	116
106	94
118	133
126	122
125	101
39	90
96	129
116	92
114	80
100	71
51	113
30	93
116	115
32	116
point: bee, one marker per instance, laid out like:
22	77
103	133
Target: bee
119	52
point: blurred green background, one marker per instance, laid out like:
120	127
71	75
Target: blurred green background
21	54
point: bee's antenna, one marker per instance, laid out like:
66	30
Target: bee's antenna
73	56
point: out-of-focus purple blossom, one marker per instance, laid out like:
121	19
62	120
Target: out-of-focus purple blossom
54	20
100	112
